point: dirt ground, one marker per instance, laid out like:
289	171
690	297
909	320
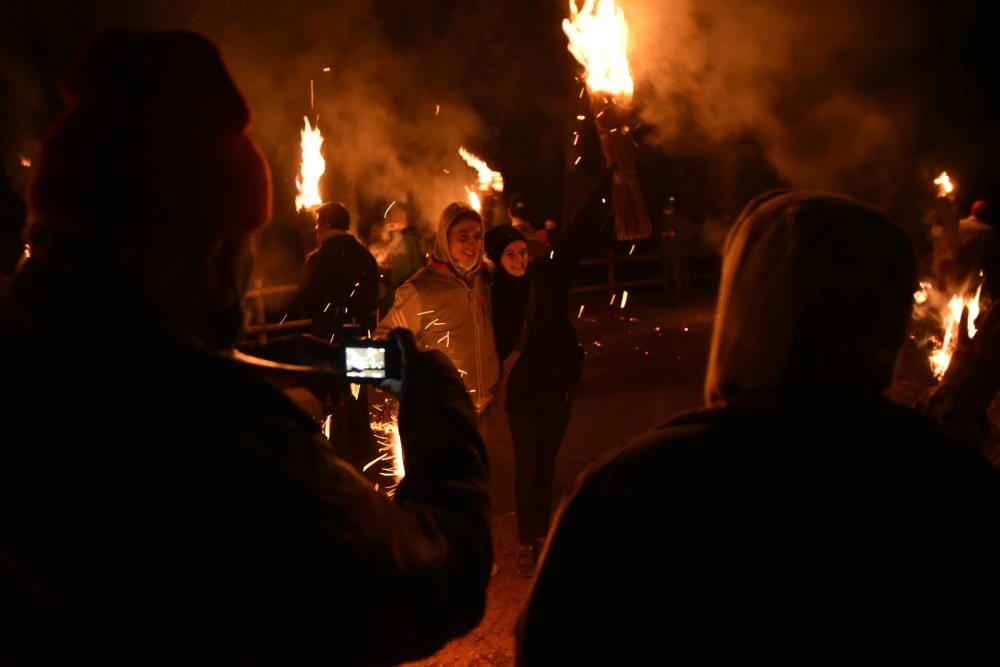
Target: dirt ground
644	364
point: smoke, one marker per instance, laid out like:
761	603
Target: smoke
814	83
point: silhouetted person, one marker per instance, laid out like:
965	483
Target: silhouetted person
161	502
339	282
801	518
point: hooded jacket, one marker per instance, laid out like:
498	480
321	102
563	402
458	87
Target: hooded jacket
450	309
801	518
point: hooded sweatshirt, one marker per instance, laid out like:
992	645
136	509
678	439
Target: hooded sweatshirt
448	308
802	518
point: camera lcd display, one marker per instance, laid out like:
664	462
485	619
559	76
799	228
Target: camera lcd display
365	362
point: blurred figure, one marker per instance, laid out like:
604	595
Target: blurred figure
520	219
668	232
339	282
405	258
977	249
162	503
801	517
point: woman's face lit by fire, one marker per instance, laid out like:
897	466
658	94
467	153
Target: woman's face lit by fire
514	259
465	242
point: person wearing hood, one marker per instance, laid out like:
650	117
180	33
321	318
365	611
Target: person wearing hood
162	502
541	362
800	517
447	304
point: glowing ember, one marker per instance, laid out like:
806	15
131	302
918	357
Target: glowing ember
386	433
598	39
488	179
945	186
313	166
25	162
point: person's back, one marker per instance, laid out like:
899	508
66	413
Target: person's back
802	518
339	282
161	502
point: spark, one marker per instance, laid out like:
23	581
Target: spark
576	138
552	254
373	462
431	323
283	319
624	299
327	307
446	171
446	338
25	162
686	329
437	109
426	312
326	69
386	214
603	200
580	314
311	96
582	91
613	297
577	160
351	296
581	117
631	250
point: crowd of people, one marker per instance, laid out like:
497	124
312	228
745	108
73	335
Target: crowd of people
163	503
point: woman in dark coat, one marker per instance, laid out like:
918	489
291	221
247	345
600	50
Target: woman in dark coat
541	363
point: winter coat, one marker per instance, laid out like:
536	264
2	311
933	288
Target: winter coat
163	504
802	517
551	361
339	285
451	311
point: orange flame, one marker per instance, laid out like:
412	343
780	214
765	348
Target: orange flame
313	166
598	39
25	162
945	186
488	179
949	314
474	200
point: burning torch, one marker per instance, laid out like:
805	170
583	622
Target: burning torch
598	39
490	184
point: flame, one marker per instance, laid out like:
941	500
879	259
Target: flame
945	186
488	179
313	166
948	311
474	201
598	39
25	162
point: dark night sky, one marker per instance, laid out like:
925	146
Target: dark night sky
868	97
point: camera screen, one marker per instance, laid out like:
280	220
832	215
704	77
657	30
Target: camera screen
365	362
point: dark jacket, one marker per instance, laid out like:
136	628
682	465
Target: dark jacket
339	285
795	530
162	504
551	360
802	519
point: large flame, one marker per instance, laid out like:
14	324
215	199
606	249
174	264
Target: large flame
948	311
488	179
945	186
313	166
598	39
